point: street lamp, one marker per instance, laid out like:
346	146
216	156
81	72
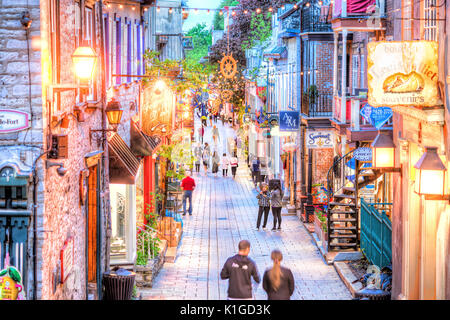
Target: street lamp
431	175
383	151
114	113
84	60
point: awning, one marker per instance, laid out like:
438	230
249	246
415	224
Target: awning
276	53
142	144
123	164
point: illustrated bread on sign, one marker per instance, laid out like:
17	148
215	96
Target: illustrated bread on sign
404	83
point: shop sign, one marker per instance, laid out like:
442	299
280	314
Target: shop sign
13	120
273	121
402	73
363	154
377	117
157	111
247	118
319	139
67	255
289	120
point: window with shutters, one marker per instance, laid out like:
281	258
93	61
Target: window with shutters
429	22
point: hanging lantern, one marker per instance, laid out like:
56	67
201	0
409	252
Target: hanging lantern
430	174
84	60
113	112
383	150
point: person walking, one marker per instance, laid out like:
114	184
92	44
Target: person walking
256	168
215	134
264	205
201	132
239	270
278	281
210	117
198	157
205	157
276	197
188	185
234	165
224	163
215	163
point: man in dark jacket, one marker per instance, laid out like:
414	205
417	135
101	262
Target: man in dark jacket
239	269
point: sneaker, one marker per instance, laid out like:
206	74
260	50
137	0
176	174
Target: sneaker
257	229
279	228
184	214
190	214
273	229
264	228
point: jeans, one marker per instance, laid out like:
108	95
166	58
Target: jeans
187	194
197	167
276	211
266	215
233	171
224	172
255	177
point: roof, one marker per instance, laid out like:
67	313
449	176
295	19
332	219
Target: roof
123	164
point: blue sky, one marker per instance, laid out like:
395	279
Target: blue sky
202	15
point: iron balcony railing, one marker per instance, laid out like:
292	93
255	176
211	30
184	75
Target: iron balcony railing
318	106
315	19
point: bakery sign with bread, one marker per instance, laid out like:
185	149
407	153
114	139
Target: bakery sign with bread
402	73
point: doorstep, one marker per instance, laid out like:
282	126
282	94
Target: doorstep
171	255
288	210
347	277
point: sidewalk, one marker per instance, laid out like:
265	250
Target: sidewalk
225	212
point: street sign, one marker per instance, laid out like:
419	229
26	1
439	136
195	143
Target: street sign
289	120
363	154
377	117
319	139
13	120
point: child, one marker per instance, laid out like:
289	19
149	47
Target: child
264	205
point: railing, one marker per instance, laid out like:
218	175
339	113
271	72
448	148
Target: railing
376	233
358	8
147	244
13	240
314	19
321	106
340	173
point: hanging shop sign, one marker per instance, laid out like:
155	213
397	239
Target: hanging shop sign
363	154
228	66
157	111
273	121
402	73
11	286
377	117
13	120
319	139
289	120
247	118
67	255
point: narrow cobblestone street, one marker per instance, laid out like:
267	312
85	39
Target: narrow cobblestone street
225	212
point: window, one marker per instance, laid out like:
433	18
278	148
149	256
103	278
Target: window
355	71
407	23
107	49
139	46
362	67
129	53
430	20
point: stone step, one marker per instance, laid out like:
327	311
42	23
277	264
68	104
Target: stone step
332	235
342	212
342	204
342	228
344	196
343	220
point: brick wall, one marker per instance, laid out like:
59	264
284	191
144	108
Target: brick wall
324	56
322	161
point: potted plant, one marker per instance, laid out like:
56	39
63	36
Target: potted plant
320	224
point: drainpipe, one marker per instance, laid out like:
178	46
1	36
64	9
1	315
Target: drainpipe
344	78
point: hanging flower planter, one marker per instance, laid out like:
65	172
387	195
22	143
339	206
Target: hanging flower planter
174	72
289	147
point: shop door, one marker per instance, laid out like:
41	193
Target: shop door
92	224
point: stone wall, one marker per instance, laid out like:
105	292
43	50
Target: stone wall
322	161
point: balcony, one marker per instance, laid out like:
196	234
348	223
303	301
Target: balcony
320	106
315	19
358	15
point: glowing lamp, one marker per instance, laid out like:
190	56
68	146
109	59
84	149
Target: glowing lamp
430	174
383	151
113	112
84	60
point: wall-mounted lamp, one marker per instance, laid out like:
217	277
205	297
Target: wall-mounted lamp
84	60
114	114
61	170
383	148
431	176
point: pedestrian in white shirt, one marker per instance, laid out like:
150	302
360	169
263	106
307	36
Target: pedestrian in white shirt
234	165
224	163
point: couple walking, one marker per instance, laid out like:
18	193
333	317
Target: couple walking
267	199
278	281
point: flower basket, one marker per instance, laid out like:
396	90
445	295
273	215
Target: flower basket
319	194
174	72
320	225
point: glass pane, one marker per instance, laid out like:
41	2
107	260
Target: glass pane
119	221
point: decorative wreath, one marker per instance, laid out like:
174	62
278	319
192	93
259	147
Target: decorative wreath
228	66
226	95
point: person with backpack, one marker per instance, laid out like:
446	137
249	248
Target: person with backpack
278	281
215	163
264	205
256	168
276	197
239	270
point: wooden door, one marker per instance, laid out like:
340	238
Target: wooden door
92	224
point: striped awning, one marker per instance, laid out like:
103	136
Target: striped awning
123	164
276	53
141	144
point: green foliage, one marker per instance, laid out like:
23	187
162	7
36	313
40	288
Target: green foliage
201	40
219	20
151	245
261	30
322	218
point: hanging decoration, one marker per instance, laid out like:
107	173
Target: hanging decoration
11	287
226	95
228	66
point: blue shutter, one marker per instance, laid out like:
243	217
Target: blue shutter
129	51
118	50
138	49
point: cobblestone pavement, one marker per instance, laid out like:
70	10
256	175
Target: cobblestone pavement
225	212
